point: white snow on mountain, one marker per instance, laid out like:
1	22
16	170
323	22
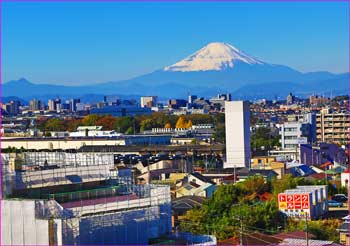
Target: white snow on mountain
214	56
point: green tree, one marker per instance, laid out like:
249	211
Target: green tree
262	137
146	124
124	124
54	125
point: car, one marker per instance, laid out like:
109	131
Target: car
333	204
340	198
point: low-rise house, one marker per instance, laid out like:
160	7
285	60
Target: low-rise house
181	205
344	231
195	184
245	173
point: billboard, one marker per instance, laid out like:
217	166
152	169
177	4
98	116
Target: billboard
293	201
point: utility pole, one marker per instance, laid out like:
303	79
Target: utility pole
234	174
307	230
241	231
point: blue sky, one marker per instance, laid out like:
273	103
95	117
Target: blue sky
90	42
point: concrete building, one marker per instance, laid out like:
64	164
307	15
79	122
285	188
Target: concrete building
93	131
76	143
35	104
54	104
12	107
111	100
51	104
121	110
191	98
333	127
237	121
322	153
176	103
56	198
73	104
317	100
99	207
149	101
293	134
290	98
220	99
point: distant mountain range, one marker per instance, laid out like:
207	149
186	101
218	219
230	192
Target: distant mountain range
216	68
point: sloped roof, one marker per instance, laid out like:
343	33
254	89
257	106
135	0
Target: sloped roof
182	204
298	242
254	238
294	234
201	177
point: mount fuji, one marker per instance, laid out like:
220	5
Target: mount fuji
217	67
215	57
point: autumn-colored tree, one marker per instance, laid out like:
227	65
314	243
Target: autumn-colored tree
146	124
107	122
73	124
90	120
189	124
167	125
181	122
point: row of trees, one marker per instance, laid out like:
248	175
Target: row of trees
128	124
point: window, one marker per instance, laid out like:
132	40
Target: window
290	129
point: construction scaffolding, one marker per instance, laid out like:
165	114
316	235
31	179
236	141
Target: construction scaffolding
78	198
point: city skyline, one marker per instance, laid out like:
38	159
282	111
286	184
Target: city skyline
107	41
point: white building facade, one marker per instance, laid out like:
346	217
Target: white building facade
294	133
237	121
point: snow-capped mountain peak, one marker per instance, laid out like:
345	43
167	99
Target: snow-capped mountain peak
214	56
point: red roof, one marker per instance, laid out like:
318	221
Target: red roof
347	171
318	176
326	164
266	196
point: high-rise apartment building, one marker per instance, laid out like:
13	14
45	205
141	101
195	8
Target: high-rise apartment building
237	121
35	104
149	101
73	104
333	127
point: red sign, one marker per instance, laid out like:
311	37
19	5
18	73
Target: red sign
305	198
294	201
282	198
290	205
297	198
305	205
297	205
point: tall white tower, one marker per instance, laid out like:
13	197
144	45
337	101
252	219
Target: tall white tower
237	123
